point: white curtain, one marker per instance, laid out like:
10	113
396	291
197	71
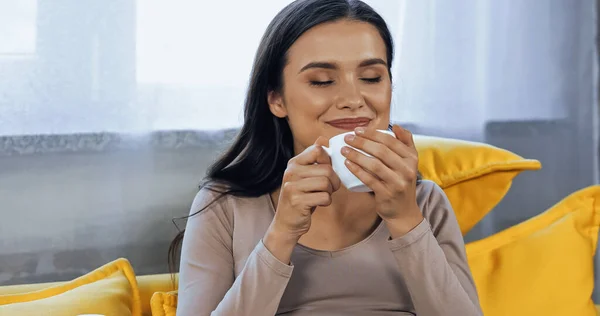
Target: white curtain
96	96
462	63
458	63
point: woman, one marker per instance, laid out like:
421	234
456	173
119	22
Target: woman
272	231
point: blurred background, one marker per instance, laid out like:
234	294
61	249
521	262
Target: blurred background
111	110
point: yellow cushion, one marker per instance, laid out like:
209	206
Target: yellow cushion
108	290
543	266
164	303
26	288
150	284
474	176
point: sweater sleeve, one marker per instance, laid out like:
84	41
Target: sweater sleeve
433	261
207	284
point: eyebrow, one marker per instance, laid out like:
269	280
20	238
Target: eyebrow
329	65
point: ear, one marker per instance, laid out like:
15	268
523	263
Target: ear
276	106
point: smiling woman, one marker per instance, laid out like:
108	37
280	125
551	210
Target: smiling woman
272	229
111	111
336	79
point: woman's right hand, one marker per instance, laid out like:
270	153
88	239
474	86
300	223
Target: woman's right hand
308	182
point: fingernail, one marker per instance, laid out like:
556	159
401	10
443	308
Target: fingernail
350	138
345	150
359	130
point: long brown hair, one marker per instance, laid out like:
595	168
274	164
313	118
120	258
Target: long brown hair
255	162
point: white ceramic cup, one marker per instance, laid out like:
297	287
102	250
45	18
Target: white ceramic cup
349	180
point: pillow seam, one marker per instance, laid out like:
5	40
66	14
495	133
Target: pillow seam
581	194
512	165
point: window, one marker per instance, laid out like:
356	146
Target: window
18	27
194	58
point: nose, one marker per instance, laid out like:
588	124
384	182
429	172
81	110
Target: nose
350	96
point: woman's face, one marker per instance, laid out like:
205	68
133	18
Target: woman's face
336	79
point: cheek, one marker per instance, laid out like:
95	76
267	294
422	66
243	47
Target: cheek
379	98
305	102
305	108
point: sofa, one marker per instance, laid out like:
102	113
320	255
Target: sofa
147	284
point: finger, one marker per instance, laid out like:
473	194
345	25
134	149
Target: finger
404	135
321	170
370	164
366	177
392	142
317	199
322	141
377	149
322	157
296	172
335	181
315	184
305	200
311	155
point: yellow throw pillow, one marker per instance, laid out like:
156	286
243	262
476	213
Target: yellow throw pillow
543	266
150	284
164	303
475	176
109	290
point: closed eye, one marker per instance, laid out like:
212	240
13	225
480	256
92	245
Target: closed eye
321	83
372	80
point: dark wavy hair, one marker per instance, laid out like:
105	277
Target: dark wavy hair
255	162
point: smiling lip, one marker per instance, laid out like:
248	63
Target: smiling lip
349	123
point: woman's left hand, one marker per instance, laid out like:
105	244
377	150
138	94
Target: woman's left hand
391	173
